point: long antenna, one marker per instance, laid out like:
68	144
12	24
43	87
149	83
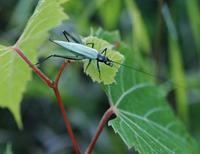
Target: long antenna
147	73
137	69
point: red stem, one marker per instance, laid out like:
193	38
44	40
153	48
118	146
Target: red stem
66	121
101	125
35	69
54	86
61	71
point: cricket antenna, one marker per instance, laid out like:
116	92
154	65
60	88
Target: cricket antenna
54	42
137	69
162	78
50	39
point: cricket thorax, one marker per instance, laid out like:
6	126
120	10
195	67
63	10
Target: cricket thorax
104	59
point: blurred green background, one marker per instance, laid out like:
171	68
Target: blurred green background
165	33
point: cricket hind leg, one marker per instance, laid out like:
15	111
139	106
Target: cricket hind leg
67	35
59	56
91	44
88	65
104	51
98	67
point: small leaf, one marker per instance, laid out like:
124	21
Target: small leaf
108	73
13	71
112	37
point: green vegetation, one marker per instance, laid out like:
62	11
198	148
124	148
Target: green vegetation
151	39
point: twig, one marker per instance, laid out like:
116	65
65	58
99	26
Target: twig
66	120
101	125
61	71
54	86
35	69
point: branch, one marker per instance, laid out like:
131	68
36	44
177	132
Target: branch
66	121
61	106
54	86
35	69
66	62
100	127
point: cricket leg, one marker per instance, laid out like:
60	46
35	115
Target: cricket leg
88	65
66	34
98	67
104	51
59	56
91	44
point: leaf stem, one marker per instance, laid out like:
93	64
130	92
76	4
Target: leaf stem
61	71
54	86
35	69
100	127
66	120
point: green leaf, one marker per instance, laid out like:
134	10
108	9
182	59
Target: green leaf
112	37
107	73
14	71
144	119
2	47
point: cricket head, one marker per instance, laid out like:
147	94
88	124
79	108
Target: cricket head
104	59
109	62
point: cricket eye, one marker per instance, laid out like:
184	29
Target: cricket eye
109	63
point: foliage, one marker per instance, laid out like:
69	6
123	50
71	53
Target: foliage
13	69
138	104
99	45
145	121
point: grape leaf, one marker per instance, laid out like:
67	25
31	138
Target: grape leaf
92	70
13	71
144	119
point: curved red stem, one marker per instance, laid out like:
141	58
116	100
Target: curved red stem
66	121
101	125
35	69
54	86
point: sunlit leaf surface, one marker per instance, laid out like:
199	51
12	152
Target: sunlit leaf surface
108	73
13	71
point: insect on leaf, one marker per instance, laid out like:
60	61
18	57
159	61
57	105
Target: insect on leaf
144	119
13	71
107	73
